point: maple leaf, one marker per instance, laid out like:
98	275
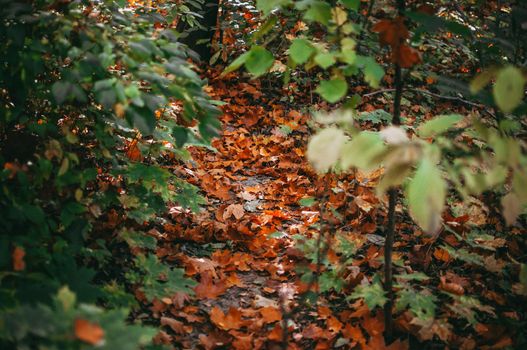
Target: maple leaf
270	314
208	289
353	333
89	332
231	320
334	325
235	210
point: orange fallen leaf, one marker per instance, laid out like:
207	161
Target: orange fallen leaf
208	289
270	314
231	320
276	333
354	334
442	255
213	340
177	326
235	210
242	341
450	287
88	332
334	325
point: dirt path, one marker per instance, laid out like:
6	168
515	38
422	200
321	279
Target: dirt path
240	247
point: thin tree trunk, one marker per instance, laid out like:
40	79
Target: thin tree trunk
392	201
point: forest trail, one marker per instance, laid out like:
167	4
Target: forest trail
261	196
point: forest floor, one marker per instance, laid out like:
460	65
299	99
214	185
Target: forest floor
255	249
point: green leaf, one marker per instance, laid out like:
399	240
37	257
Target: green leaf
508	89
318	12
333	90
323	150
259	60
414	276
236	64
266	6
325	59
377	116
301	50
482	80
363	151
421	304
265	28
426	196
307	201
439	125
372	294
351	4
161	281
373	73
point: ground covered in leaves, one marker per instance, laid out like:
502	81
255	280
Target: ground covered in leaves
277	251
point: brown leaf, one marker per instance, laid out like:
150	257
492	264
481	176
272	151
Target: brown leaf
175	325
235	210
354	334
133	152
242	341
453	288
442	255
276	333
270	314
392	32
88	332
231	320
208	289
213	340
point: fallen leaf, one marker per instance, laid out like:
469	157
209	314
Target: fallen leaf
175	325
208	289
270	314
231	320
235	210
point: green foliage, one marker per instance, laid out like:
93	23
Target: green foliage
438	125
426	196
335	50
157	280
90	96
378	116
301	50
509	88
52	325
332	90
373	294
